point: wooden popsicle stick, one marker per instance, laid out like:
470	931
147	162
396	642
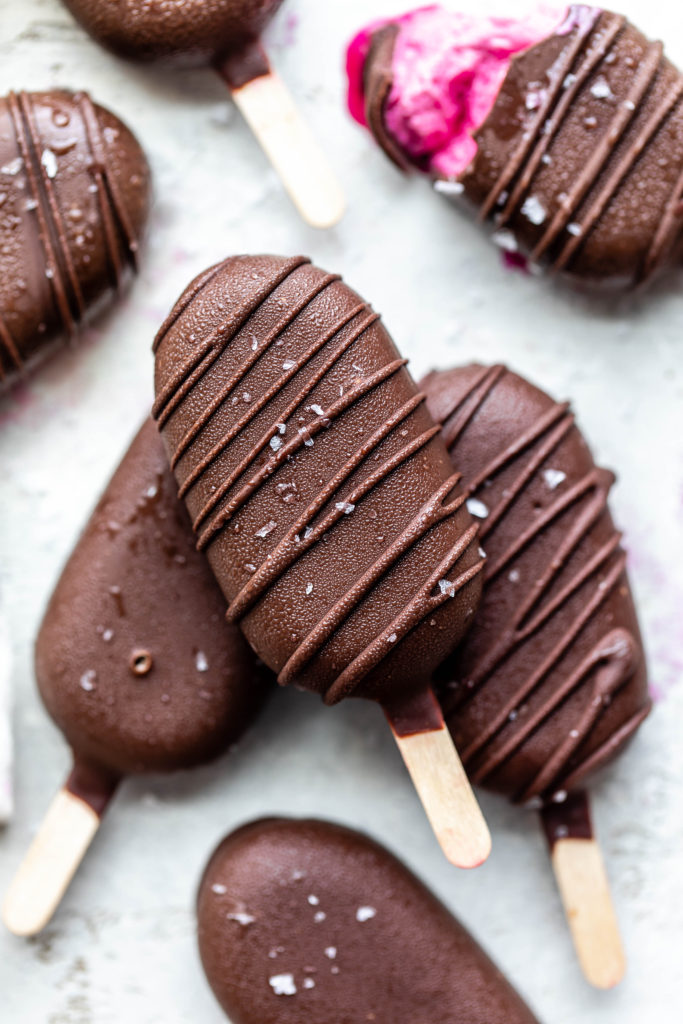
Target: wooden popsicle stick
584	888
270	112
443	787
50	863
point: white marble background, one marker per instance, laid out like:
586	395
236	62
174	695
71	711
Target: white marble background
122	946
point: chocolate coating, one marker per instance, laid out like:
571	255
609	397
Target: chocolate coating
581	157
191	32
74	197
308	921
551	680
133	659
315	478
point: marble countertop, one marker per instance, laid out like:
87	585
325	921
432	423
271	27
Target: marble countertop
122	945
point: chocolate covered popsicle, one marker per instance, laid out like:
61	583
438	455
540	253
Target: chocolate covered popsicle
74	197
309	921
563	130
135	665
324	499
550	683
225	35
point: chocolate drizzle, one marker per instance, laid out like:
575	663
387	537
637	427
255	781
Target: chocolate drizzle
600	158
237	466
75	187
551	681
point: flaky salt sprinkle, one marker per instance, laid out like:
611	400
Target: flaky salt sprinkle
365	913
477	508
265	530
282	984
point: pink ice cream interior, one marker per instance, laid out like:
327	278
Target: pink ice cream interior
448	68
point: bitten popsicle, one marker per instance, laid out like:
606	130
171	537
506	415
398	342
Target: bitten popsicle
74	198
563	130
325	501
134	663
550	683
309	921
224	34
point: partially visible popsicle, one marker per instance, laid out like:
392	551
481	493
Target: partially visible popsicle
134	663
325	501
563	128
550	683
224	34
74	198
309	921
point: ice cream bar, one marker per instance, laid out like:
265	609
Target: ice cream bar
74	196
550	683
317	483
305	920
134	660
553	129
225	35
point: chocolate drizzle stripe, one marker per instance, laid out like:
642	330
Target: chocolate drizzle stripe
273	428
53	270
614	742
616	650
304	434
293	546
619	174
105	205
187	298
458	420
53	214
616	656
554	657
282	416
431	513
424	603
115	205
625	114
224	393
521	157
182	382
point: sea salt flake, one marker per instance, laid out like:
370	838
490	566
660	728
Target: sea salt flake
282	984
365	913
308	440
477	508
313	900
629	105
13	167
392	638
513	575
309	589
449	188
446	587
108	635
534	210
275	443
87	680
201	662
288	364
309	983
560	796
319	916
575	229
345	506
317	409
600	89
505	240
574	733
219	889
569	81
554	477
265	530
241	917
49	162
331	952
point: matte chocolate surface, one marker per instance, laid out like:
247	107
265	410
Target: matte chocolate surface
551	681
134	660
315	478
74	197
308	921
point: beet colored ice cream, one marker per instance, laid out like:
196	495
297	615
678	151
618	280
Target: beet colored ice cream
446	71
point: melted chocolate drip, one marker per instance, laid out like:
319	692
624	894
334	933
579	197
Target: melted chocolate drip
315	478
550	682
73	199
